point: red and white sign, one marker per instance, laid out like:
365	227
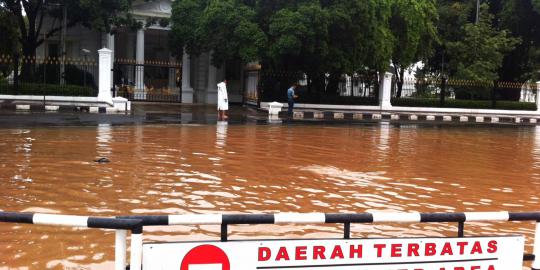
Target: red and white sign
475	253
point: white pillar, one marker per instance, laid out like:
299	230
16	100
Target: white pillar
187	90
139	58
110	45
385	94
211	90
105	75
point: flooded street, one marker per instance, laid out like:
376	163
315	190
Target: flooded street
175	169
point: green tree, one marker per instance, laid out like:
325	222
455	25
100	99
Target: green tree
29	16
522	63
313	37
536	4
8	33
413	25
186	30
479	54
452	16
8	44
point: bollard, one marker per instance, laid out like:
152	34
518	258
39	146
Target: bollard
274	108
120	250
135	259
536	249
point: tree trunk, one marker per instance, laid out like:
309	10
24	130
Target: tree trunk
333	83
28	61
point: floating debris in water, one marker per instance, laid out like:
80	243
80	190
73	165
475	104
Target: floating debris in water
102	160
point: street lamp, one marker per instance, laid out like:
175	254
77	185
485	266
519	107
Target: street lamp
477	11
85	53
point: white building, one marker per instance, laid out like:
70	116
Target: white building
143	59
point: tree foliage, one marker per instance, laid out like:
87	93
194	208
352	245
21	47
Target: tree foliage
318	38
413	25
479	53
8	33
523	21
30	15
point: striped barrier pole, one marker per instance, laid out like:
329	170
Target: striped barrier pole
321	218
347	219
119	225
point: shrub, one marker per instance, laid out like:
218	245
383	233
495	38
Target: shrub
48	90
466	104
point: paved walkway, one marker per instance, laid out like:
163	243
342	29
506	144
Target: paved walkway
159	113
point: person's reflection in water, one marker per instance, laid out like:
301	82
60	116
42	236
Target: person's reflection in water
221	134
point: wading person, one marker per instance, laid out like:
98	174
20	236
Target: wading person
223	100
291	95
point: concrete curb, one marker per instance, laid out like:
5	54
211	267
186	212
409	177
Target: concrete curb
52	109
339	116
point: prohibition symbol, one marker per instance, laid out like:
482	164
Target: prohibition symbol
205	257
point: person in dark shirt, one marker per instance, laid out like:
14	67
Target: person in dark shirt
290	98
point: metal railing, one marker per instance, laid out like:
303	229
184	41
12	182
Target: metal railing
455	93
136	224
48	76
153	81
120	225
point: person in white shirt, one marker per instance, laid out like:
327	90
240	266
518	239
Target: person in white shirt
223	100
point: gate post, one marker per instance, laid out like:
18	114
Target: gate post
385	94
536	249
105	78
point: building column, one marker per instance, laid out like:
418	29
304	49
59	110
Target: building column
187	90
211	90
139	59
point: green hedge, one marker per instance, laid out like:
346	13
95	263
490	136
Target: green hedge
48	90
329	99
338	100
465	104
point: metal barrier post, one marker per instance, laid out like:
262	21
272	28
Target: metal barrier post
536	250
136	250
120	249
461	229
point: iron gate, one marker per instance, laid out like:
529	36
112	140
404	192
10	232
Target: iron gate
152	81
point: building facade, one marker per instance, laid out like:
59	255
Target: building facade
143	62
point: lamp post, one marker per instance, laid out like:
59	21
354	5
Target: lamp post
477	11
85	52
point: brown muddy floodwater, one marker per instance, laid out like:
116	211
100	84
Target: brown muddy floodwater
251	169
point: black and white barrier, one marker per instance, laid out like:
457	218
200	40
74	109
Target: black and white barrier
120	225
314	218
135	224
374	217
